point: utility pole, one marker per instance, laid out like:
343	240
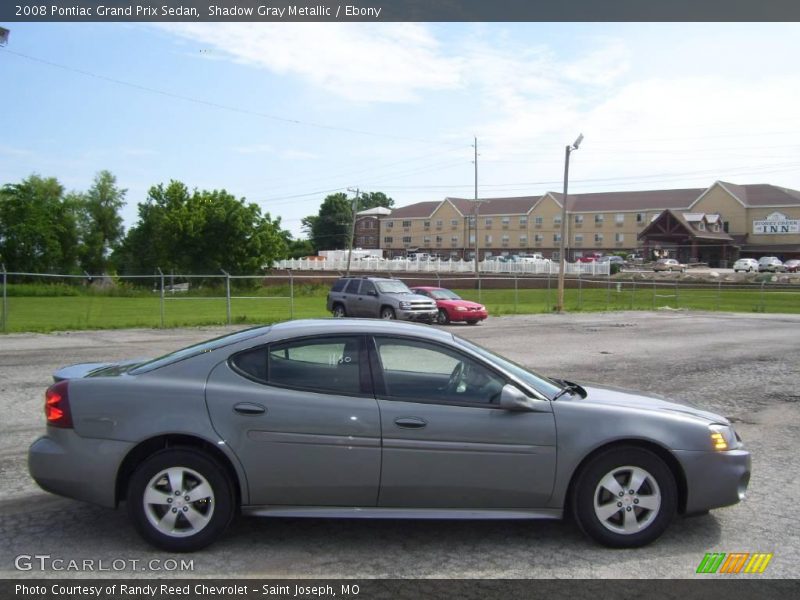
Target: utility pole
475	207
562	241
352	230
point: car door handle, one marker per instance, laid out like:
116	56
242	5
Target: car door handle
248	408
410	422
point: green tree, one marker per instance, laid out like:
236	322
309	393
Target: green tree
374	200
200	232
38	227
330	227
100	222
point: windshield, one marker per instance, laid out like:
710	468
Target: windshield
393	287
444	295
543	385
197	349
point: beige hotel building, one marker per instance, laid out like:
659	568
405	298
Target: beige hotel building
715	225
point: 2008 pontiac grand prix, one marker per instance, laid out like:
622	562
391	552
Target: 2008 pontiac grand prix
345	418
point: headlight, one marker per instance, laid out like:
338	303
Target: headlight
461	308
723	437
405	306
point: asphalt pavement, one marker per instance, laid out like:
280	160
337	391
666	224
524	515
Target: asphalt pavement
742	366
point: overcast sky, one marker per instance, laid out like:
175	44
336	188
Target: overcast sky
286	113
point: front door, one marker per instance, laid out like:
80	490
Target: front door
446	442
301	417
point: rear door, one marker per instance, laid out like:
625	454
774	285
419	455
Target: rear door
367	304
301	416
446	441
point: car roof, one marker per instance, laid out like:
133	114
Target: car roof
345	326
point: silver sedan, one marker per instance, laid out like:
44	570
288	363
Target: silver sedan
346	418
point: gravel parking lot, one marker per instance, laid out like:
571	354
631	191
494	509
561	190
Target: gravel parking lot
743	366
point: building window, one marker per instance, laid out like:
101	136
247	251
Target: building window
471	239
538	238
701	225
578	239
557	220
426	240
640	218
487	239
453	222
578	219
619	238
620	218
389	224
425	224
557	238
506	221
598	219
523	240
408	223
539	221
598	237
407	239
725	226
505	240
488	223
523	221
387	239
454	240
439	224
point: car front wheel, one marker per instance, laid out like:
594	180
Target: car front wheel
442	318
180	500
625	497
387	312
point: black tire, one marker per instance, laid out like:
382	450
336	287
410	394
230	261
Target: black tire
472	322
215	510
339	311
657	490
387	312
442	317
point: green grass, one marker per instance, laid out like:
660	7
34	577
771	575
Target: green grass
43	313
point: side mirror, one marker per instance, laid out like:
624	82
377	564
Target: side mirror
512	398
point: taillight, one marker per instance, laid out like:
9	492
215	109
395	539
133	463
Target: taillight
56	405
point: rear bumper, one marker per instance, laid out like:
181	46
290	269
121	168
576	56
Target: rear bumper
64	463
714	479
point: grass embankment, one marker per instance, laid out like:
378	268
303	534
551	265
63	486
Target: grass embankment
30	308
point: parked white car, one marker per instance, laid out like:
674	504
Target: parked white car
770	263
749	265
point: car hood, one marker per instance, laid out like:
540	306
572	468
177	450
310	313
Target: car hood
409	297
630	399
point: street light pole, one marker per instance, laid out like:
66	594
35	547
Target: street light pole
475	209
561	246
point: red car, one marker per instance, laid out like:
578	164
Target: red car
452	307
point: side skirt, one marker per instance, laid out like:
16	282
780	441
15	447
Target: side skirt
337	512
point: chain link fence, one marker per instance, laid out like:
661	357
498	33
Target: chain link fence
52	302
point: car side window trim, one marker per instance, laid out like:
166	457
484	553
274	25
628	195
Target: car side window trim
379	384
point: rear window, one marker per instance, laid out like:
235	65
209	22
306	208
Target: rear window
201	348
339	284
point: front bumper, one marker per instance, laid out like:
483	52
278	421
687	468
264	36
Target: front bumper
428	316
469	315
714	479
64	463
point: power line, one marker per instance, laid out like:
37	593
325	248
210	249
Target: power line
226	107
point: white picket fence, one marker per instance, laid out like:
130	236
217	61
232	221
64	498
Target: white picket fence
539	267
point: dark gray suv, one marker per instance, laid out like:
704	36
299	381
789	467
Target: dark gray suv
378	298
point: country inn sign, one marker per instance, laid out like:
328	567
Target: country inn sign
776	223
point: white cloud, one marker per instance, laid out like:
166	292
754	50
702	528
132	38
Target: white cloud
388	62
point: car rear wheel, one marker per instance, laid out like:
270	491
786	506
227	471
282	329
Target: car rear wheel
180	500
387	312
339	311
442	318
625	497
